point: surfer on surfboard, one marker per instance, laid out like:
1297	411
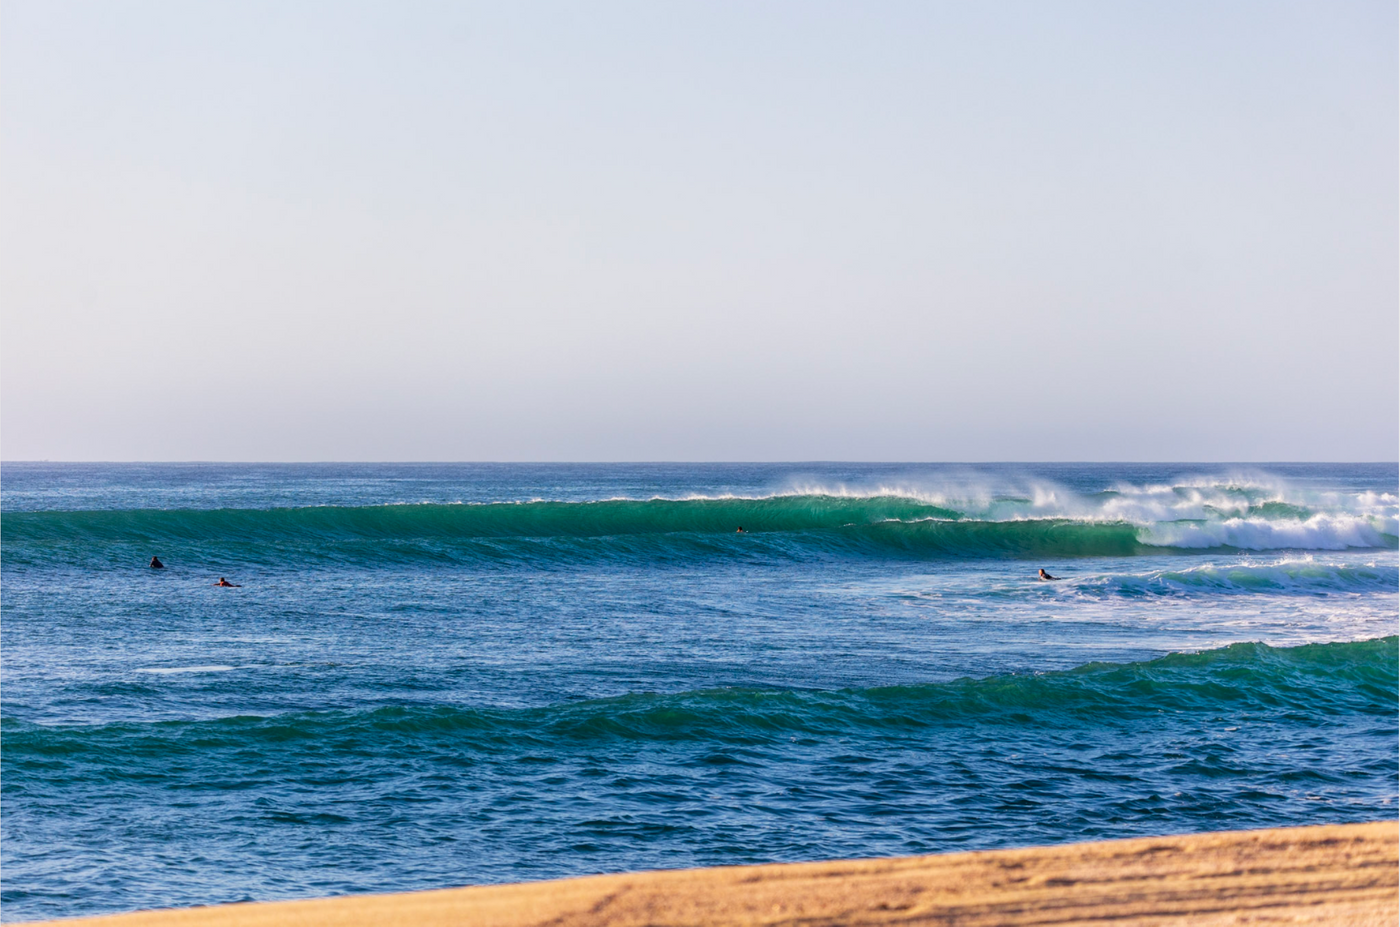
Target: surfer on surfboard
156	564
1045	575
224	582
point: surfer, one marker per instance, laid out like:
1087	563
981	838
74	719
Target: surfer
224	582
156	564
1045	575
741	530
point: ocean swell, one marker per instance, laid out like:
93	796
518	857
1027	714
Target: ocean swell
791	527
1313	680
1305	576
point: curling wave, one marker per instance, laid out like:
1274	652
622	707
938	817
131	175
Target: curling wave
787	526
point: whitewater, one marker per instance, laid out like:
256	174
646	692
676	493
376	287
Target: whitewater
439	675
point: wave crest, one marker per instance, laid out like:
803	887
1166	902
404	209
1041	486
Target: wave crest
1040	520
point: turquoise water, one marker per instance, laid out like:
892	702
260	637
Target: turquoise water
440	675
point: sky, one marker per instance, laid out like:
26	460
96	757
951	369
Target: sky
919	231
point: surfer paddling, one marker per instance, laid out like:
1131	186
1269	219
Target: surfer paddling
1046	576
226	583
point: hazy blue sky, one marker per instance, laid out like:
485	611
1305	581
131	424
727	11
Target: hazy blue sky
909	231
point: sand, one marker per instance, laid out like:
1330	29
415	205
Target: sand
1336	875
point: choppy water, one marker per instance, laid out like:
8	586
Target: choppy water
442	675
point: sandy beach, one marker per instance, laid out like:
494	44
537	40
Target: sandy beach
1337	875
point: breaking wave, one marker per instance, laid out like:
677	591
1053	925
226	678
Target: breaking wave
1043	522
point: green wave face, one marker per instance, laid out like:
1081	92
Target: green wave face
788	527
492	520
794	526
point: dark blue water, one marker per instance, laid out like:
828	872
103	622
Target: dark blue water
443	675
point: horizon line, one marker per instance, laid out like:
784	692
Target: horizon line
665	462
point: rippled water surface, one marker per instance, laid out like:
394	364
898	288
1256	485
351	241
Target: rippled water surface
438	675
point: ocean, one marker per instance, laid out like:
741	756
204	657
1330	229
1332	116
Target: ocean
437	675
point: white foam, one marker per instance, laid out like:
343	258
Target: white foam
1229	510
1308	573
1320	532
1203	512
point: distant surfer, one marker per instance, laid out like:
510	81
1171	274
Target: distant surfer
224	582
1047	576
741	530
156	564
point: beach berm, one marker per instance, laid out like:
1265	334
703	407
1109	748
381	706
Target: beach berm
1330	874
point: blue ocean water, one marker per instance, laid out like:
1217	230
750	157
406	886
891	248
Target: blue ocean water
436	675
